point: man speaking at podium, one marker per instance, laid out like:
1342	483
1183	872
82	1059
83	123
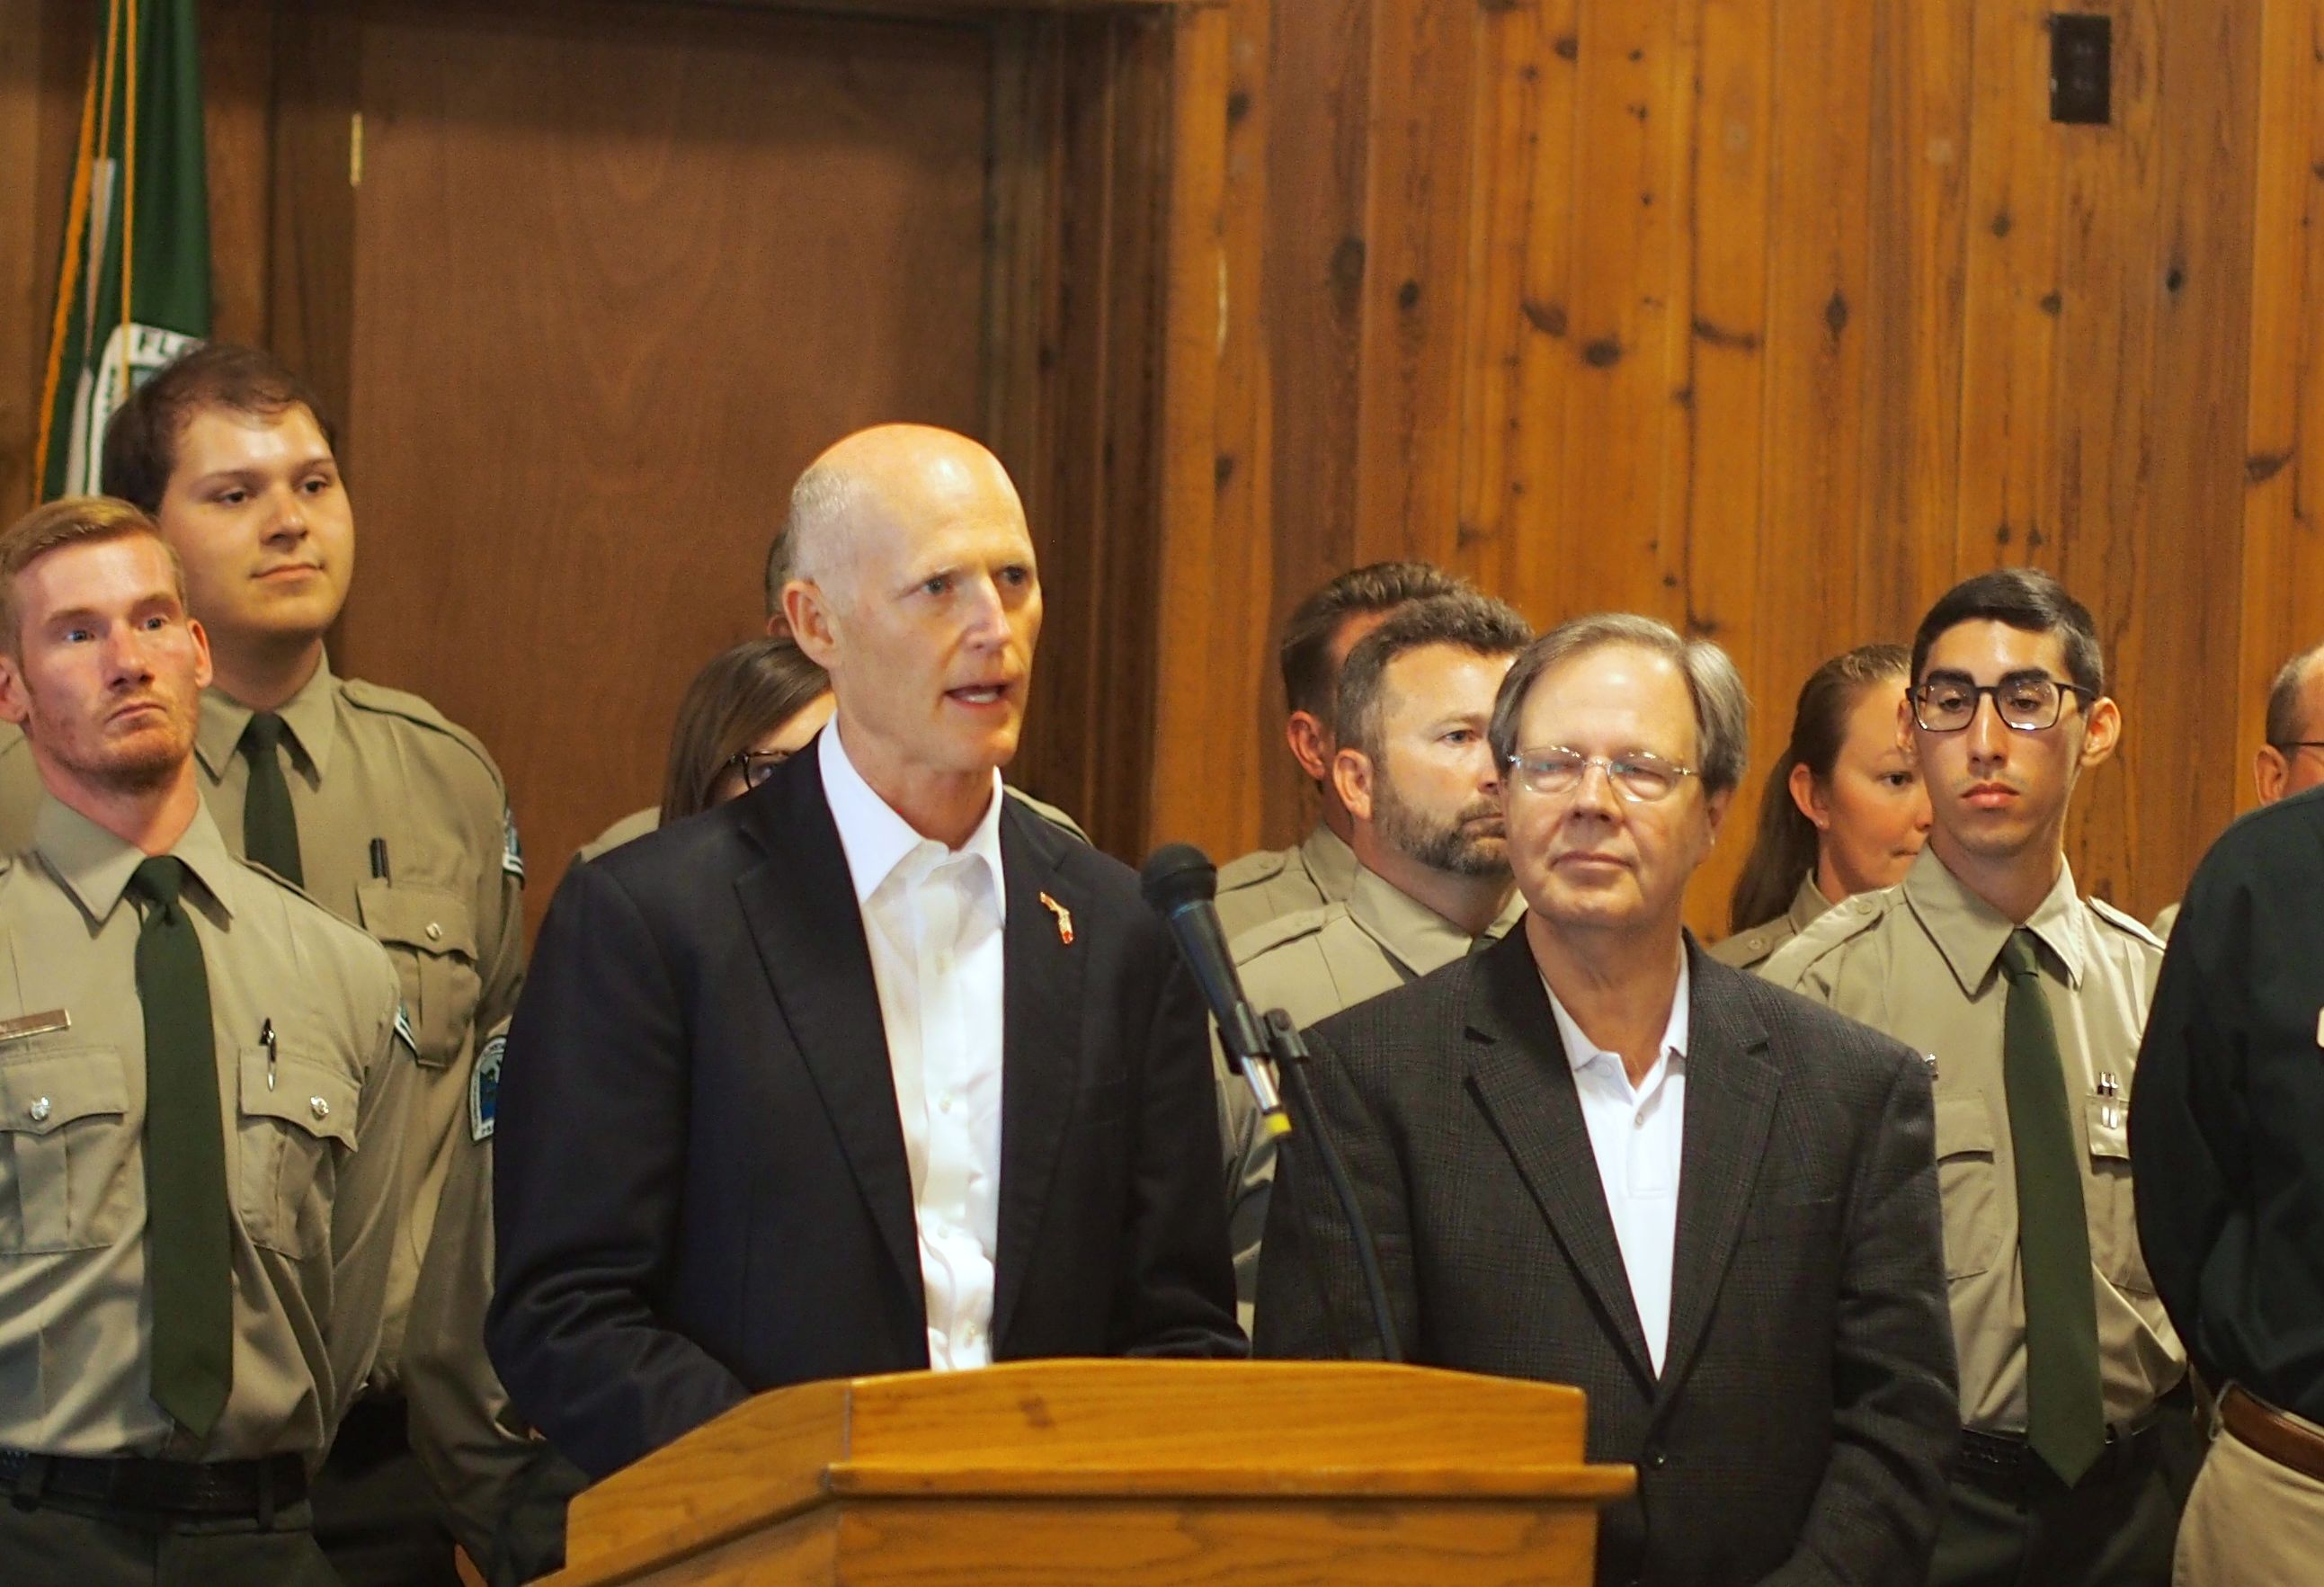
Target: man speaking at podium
868	1070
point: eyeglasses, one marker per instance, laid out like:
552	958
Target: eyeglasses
1641	778
2294	746
2029	704
755	765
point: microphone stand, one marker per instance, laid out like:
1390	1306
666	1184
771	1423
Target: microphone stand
1290	1054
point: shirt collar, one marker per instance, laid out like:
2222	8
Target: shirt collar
94	866
1970	933
1330	860
1582	1052
877	840
1415	936
1808	905
310	716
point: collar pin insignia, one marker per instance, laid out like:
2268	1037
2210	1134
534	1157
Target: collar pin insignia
1065	918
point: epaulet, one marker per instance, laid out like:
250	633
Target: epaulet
1250	870
1842	923
383	701
1269	934
280	880
1745	948
1046	812
2130	925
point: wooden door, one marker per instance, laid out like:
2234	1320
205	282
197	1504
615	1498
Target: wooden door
618	273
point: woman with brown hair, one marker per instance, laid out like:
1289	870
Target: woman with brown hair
1843	811
752	707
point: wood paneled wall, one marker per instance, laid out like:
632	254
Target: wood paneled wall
1774	318
1769	317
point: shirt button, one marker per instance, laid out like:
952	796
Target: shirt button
435	932
321	1109
39	1110
945	1104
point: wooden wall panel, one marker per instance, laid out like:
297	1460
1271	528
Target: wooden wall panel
2283	582
1775	317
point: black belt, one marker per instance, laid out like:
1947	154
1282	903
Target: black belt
2005	1463
213	1488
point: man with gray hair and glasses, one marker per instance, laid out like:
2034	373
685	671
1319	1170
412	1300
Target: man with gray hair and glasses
2028	1000
1591	1154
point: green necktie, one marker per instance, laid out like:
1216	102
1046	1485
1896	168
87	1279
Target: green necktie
189	1249
270	833
2065	1419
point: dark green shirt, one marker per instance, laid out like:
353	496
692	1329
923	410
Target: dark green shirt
2226	1125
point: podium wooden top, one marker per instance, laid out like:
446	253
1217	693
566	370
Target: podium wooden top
1092	1429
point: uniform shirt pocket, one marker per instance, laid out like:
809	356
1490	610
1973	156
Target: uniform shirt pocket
72	1158
430	933
2113	1211
298	1121
1968	1185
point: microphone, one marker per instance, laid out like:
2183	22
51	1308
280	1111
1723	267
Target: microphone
1180	881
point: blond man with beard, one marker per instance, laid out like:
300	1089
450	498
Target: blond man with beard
184	1318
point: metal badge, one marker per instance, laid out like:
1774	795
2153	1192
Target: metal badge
40	1024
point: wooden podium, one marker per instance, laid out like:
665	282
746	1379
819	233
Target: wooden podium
1114	1471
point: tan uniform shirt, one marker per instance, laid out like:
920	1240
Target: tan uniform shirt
1271	884
313	1142
1748	950
474	1445
1312	965
1921	962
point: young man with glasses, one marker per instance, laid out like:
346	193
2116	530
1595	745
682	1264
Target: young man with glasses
1591	1154
2028	1000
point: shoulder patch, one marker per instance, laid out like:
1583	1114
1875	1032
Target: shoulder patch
403	1031
512	850
1284	929
484	1088
2129	925
1250	870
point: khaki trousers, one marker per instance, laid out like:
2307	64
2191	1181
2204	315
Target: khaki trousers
2250	1523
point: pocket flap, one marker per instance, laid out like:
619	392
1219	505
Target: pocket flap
2108	1120
316	1096
39	1095
426	919
1964	1126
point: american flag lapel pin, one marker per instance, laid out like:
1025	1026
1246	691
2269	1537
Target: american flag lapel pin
1065	918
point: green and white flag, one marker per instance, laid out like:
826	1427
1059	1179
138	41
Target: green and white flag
134	289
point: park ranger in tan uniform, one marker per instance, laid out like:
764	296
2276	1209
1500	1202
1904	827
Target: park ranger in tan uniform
1320	867
1748	950
1416	776
2029	1001
204	1096
383	811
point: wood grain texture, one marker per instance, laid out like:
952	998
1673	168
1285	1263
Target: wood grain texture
1140	1470
595	336
1883	324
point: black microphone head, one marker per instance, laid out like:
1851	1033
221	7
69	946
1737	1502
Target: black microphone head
1178	875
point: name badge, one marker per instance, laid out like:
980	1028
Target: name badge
40	1024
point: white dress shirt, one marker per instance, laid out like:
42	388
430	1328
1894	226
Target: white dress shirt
1638	1132
932	917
